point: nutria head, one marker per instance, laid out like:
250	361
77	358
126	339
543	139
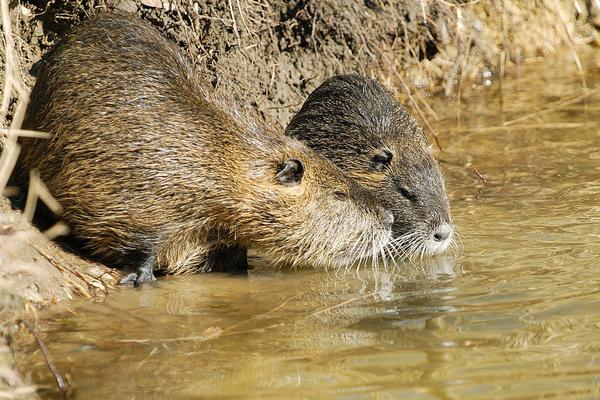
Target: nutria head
355	122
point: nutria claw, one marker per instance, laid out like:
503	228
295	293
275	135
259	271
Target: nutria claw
137	278
142	275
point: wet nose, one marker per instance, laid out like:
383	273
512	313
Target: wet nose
442	232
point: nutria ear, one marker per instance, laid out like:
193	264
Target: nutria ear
290	172
382	160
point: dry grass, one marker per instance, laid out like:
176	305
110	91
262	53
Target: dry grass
13	88
485	35
415	47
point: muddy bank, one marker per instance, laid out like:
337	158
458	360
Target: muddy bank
34	269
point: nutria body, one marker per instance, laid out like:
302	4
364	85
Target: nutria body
355	122
153	170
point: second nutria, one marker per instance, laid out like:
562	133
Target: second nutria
153	170
355	122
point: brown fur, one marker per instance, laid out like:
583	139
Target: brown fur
152	168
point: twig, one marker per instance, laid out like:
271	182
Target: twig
235	29
58	229
38	189
239	7
479	175
500	128
60	381
261	315
312	33
8	160
11	149
8	62
213	333
25	133
465	4
86	293
423	11
127	312
343	303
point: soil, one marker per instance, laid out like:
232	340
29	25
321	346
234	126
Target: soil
38	271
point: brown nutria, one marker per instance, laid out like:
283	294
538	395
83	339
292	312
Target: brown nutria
355	122
154	170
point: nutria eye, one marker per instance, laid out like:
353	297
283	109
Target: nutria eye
340	195
382	160
290	172
407	194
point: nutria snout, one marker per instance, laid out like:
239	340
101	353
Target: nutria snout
153	170
355	122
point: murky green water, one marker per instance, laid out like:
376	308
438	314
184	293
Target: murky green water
516	315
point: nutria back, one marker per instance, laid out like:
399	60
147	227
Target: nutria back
154	170
355	122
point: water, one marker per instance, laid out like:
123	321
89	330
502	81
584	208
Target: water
515	316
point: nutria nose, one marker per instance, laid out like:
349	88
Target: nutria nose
442	232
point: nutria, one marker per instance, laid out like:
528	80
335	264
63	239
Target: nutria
355	122
154	170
